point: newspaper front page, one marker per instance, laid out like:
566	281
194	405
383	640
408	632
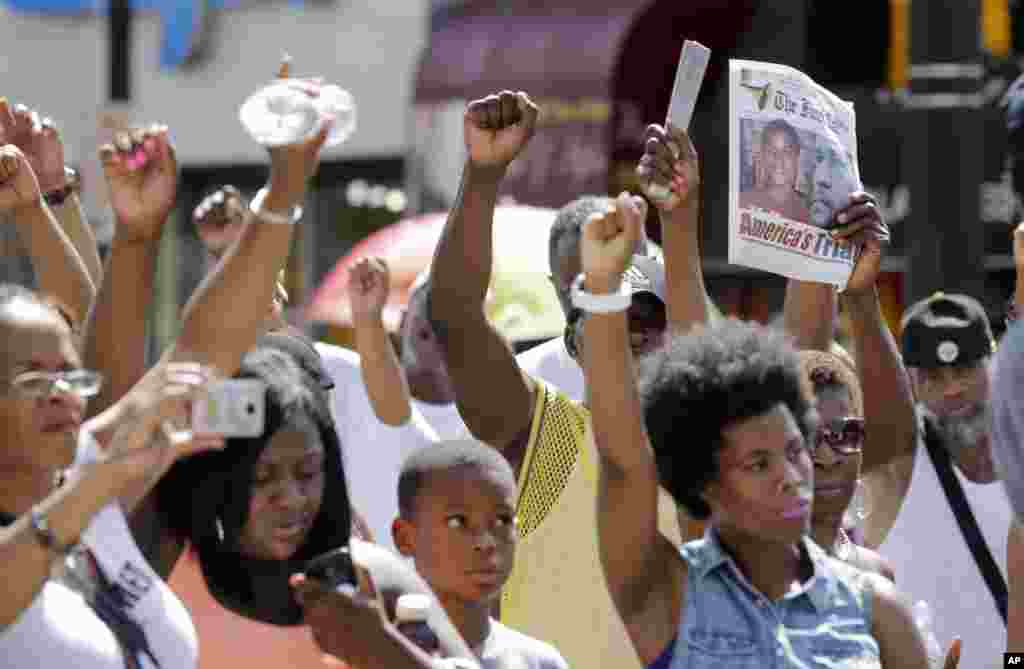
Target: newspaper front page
792	165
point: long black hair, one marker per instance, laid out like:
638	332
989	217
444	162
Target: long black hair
205	499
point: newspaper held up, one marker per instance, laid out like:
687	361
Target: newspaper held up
792	165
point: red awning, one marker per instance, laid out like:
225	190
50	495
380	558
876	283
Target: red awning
550	48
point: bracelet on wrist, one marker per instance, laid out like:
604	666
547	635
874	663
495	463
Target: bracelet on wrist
599	304
276	218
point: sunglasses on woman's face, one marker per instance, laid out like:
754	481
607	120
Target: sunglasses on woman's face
845	436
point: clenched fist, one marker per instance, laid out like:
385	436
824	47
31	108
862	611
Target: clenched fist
368	286
18	185
609	239
218	219
38	139
497	129
669	170
142	177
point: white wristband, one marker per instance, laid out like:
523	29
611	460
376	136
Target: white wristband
599	304
256	207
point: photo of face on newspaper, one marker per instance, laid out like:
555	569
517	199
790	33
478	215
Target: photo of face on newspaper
833	180
773	159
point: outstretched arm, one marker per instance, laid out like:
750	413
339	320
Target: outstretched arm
39	139
494	398
636	566
223	318
27	171
670	174
142	180
383	376
888	399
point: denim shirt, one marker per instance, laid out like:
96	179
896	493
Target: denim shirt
727	623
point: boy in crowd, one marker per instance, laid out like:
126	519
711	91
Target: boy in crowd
456	520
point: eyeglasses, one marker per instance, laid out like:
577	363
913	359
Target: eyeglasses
81	382
845	436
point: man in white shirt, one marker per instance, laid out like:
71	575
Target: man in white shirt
947	345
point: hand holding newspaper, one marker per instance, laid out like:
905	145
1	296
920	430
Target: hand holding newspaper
693	62
792	165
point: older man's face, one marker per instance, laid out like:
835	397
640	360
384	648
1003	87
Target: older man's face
958	396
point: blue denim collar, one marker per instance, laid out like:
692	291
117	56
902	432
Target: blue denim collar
708	555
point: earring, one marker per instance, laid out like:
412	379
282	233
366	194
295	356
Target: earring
859	508
220	530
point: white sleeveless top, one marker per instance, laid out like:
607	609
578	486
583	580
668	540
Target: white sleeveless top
932	561
60	629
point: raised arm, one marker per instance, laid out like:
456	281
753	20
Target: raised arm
494	398
61	274
634	559
888	399
223	318
670	174
386	385
142	180
41	143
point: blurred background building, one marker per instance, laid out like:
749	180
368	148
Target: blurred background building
601	69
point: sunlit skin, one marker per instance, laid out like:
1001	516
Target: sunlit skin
765	479
958	395
761	499
287	491
39	433
462	536
835	476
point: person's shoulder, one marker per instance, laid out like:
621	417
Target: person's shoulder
539	654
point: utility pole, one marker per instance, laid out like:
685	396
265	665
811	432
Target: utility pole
120	27
943	151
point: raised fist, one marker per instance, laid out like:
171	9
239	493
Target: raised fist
38	139
498	127
669	170
609	238
18	185
142	176
368	286
218	219
860	222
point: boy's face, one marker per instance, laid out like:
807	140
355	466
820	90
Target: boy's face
462	533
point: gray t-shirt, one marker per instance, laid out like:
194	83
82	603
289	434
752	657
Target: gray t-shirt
506	648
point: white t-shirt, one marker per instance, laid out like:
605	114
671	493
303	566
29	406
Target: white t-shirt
374	451
932	561
552	363
506	648
60	629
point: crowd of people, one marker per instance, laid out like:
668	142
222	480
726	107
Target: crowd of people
661	487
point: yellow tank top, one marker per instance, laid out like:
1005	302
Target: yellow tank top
556	591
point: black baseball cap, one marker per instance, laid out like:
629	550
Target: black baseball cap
946	329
